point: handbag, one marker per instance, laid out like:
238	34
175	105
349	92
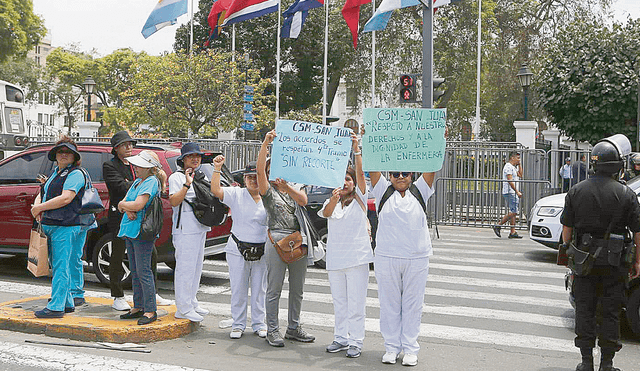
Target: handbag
250	251
290	248
91	202
38	255
152	220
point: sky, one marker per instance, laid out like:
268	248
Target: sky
107	25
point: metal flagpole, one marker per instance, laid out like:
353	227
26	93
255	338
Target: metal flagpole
233	43
191	33
373	59
476	126
278	68
326	53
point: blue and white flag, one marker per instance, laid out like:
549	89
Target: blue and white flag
382	15
294	17
165	13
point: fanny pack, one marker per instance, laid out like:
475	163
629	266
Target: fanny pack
251	251
290	248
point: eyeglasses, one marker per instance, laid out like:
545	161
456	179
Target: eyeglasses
126	145
397	174
64	152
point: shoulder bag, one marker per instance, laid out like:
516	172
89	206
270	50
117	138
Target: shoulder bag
152	220
290	248
91	202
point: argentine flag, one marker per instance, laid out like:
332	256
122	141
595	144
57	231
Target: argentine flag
382	15
165	13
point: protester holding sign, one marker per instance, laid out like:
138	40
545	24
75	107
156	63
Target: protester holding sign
245	248
348	256
279	199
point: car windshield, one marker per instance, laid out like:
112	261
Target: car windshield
634	184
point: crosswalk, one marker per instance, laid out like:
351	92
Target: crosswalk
481	290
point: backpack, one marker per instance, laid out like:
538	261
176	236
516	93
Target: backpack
207	208
414	191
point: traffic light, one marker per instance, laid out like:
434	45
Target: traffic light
437	93
408	88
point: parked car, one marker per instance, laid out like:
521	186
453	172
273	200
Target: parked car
19	188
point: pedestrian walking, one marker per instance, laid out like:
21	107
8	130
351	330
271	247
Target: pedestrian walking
149	182
245	249
57	209
118	176
566	174
188	234
597	215
280	199
348	256
511	173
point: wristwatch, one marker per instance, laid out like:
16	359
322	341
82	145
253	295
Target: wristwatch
187	186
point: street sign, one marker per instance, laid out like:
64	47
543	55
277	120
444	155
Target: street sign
247	126
248	89
248	97
248	107
248	117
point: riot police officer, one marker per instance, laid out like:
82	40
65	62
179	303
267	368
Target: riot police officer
634	168
597	215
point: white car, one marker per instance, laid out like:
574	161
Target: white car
544	218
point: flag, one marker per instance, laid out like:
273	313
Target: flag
216	17
383	13
241	10
351	14
294	17
164	14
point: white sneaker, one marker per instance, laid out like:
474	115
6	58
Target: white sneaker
236	333
390	358
191	316
162	301
120	304
225	323
201	311
409	359
262	333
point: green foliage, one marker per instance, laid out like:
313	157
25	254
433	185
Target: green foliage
20	28
588	83
23	72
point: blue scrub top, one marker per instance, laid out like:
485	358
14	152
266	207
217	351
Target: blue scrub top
74	181
131	228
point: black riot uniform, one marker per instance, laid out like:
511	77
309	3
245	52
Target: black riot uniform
599	210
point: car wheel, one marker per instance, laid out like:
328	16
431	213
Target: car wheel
633	311
323	233
101	260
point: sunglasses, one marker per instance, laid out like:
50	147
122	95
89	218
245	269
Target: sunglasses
64	151
397	174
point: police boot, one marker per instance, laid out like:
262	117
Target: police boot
606	361
587	360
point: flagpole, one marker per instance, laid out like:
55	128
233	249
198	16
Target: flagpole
326	52
476	127
191	33
373	59
233	42
278	67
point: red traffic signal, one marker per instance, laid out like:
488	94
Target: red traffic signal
408	89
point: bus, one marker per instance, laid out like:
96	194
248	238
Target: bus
13	131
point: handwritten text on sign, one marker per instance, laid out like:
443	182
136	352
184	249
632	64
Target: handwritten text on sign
309	153
403	139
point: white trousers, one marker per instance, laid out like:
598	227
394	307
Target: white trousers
401	288
349	292
243	273
189	260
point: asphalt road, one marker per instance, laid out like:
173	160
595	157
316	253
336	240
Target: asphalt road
491	304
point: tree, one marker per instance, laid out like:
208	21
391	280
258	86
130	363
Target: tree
179	94
23	72
20	28
588	83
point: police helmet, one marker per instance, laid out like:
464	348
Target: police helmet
607	156
635	159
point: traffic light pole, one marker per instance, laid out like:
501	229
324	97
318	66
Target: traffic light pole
427	54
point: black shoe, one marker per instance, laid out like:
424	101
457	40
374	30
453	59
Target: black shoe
132	315
608	368
78	301
47	313
144	320
584	367
514	235
69	309
496	230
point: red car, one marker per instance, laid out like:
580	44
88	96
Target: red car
19	187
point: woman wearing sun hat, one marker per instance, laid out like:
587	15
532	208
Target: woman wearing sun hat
147	185
57	209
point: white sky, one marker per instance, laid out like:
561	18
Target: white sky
107	25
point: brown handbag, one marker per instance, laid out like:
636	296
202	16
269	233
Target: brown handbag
290	248
38	254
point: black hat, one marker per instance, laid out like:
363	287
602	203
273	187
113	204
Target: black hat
188	149
119	138
250	168
71	146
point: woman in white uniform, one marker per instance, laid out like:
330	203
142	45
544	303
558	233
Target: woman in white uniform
403	247
189	235
249	226
348	256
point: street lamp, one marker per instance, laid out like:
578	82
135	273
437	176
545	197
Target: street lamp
524	74
89	84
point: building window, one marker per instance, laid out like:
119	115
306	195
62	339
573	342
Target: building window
352	97
51	120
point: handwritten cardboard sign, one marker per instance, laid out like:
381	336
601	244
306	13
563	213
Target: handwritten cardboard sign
309	153
403	139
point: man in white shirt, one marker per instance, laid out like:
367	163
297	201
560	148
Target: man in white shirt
511	173
566	174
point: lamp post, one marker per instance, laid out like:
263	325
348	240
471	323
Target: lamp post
524	74
89	84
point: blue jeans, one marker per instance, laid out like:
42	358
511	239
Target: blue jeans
512	201
142	282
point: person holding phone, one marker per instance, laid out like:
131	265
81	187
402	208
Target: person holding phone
511	173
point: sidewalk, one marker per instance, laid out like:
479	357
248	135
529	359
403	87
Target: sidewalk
92	321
